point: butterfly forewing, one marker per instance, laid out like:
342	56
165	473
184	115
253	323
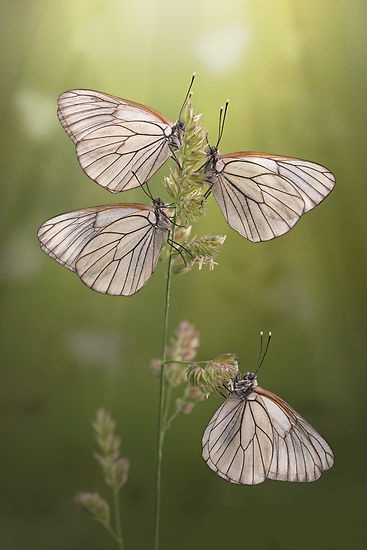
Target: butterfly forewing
113	249
115	137
263	196
249	440
237	442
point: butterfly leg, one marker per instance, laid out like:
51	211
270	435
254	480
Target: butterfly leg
174	223
182	246
229	389
170	219
176	159
208	191
206	195
148	192
177	247
170	242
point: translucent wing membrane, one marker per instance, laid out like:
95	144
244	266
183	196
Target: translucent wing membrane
300	453
114	249
262	437
114	137
237	444
263	196
121	259
260	206
313	181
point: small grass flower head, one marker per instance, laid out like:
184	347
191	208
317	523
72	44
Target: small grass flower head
212	375
95	505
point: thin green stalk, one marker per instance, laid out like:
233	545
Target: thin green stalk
181	362
119	538
160	435
167	406
111	531
171	419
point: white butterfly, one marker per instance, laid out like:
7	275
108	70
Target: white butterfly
115	137
256	435
263	196
114	249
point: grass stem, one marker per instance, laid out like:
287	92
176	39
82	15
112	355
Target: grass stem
116	502
161	427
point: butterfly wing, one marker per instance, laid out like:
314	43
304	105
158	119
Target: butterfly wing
300	453
237	444
120	260
114	137
63	237
313	181
262	437
114	249
259	196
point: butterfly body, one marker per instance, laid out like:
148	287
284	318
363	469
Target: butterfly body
263	196
116	137
256	435
114	249
163	221
175	138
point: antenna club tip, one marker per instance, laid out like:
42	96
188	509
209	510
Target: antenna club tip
261	333
227	101
194	74
269	334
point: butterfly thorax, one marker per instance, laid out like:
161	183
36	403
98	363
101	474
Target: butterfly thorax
243	387
177	135
212	159
162	219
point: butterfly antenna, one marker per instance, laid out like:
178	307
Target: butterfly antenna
222	120
261	347
187	95
219	125
148	193
261	359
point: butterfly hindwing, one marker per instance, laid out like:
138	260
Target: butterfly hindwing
121	259
259	205
300	452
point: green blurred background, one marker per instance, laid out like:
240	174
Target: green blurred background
296	77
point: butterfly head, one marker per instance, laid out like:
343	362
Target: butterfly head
212	152
177	135
250	377
158	203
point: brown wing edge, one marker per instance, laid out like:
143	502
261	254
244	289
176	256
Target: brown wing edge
284	406
159	115
244	154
